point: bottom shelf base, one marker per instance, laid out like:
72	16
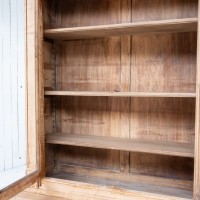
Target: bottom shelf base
141	191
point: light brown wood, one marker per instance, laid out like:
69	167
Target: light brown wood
33	196
125	77
153	72
31	78
176	25
127	177
163	63
148	134
48	65
164	148
40	143
197	119
119	64
106	182
97	68
88	191
118	94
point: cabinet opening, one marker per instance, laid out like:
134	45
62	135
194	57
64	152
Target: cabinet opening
144	139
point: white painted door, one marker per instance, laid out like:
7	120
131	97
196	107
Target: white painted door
12	90
12	84
18	80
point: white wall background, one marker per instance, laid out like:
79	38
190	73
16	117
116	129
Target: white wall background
12	85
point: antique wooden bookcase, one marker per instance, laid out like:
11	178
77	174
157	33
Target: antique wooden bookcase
118	87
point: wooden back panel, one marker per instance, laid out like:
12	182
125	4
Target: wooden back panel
141	63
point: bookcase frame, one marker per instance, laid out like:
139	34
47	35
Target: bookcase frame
79	189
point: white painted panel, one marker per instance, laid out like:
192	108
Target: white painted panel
7	84
14	82
21	83
12	85
1	91
11	176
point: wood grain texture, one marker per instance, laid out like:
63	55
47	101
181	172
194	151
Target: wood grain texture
31	62
118	94
104	118
32	196
49	118
125	77
86	157
39	68
169	58
163	119
152	64
100	31
163	148
124	185
75	13
97	67
197	119
76	190
48	13
109	117
127	177
146	10
162	62
49	73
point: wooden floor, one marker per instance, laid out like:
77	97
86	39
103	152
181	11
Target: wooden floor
34	196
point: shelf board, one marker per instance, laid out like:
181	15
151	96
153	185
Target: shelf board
86	32
118	94
154	147
125	189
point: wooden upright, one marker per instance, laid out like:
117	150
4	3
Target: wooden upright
197	120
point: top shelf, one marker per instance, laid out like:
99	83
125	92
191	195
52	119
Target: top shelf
87	32
119	94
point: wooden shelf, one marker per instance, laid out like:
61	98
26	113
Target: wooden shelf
163	148
118	94
125	188
175	25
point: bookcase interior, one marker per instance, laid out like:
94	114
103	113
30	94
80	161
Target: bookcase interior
162	62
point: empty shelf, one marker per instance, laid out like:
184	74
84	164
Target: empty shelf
118	94
123	187
174	25
154	147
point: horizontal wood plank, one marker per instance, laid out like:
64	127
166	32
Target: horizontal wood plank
126	176
175	25
87	187
33	195
118	94
154	147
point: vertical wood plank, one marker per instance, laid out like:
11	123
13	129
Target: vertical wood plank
197	119
163	63
125	78
97	68
40	91
31	85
